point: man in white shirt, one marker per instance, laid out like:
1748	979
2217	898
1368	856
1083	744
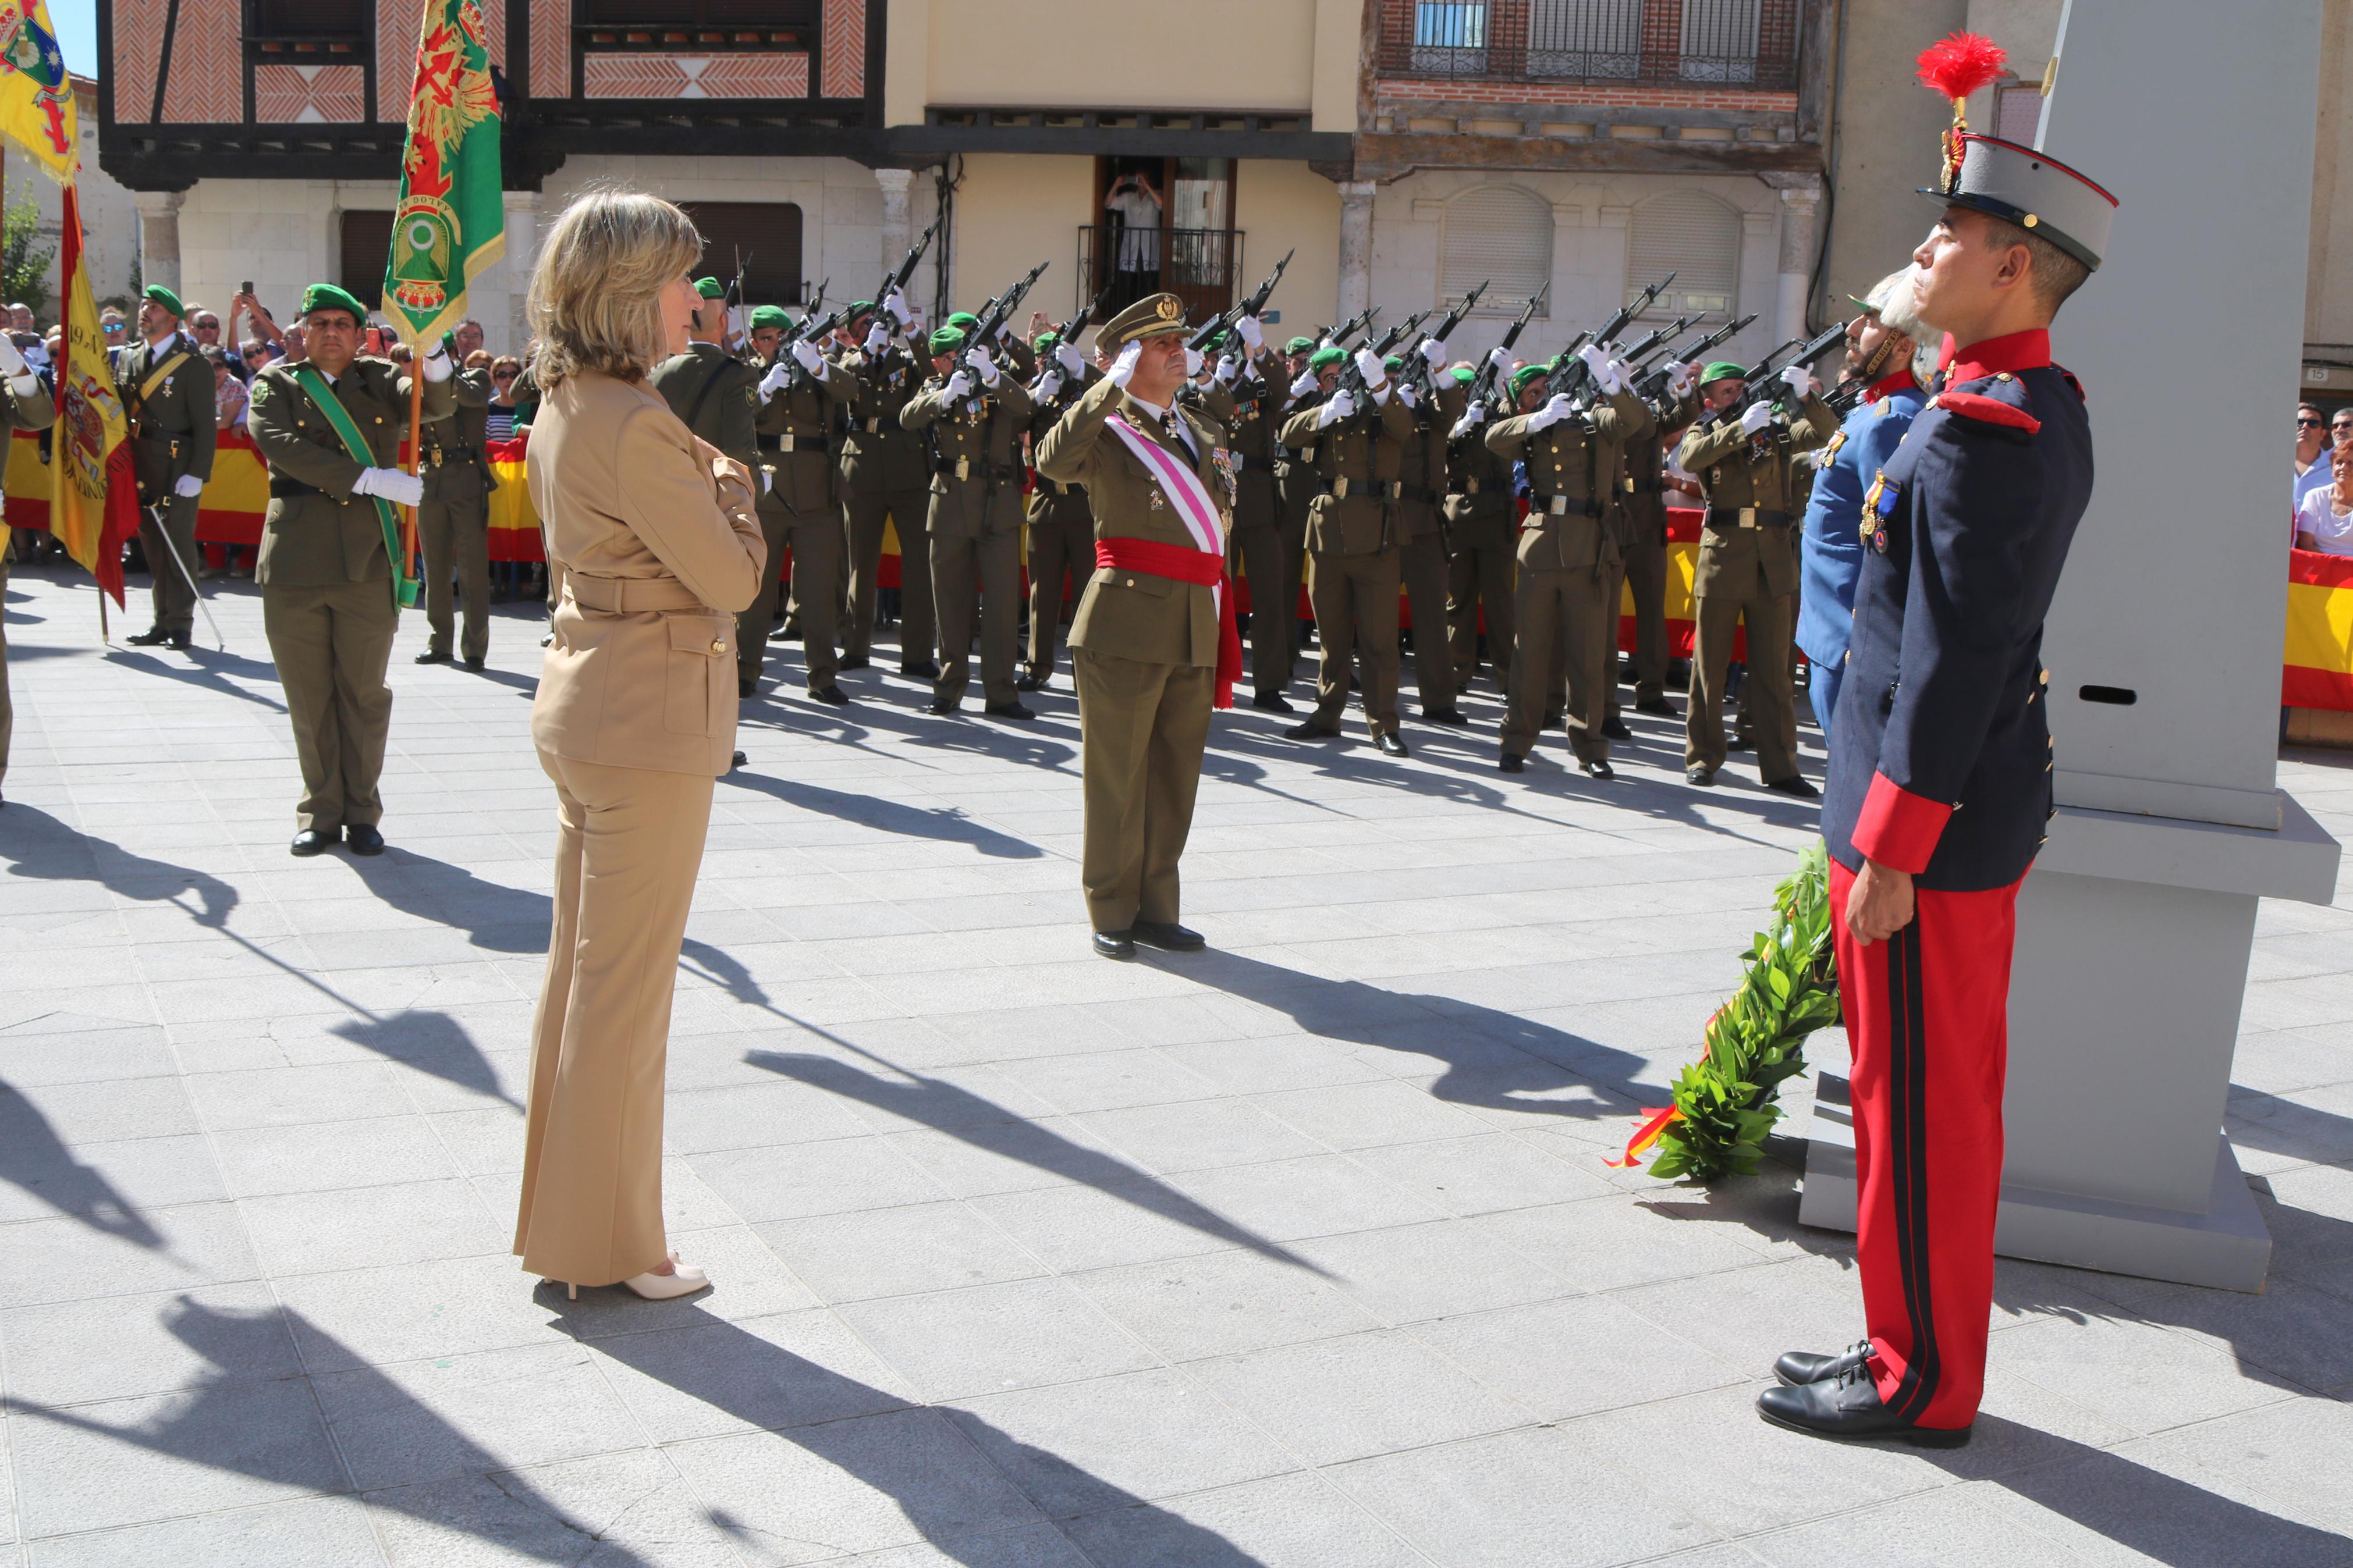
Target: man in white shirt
2312	445
1137	205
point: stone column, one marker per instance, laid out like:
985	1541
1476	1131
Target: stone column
159	236
1356	247
522	255
1801	204
898	226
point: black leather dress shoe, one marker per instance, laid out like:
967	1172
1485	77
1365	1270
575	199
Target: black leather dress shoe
364	838
1615	727
1659	705
474	664
1742	743
738	760
1812	1366
782	634
1454	716
1272	702
314	840
432	656
1597	768
1169	936
942	709
1027	683
1390	745
178	642
153	637
921	669
833	694
1512	764
1310	730
1795	784
1008	710
856	662
1554	718
1114	944
746	685
1847	1406
1699	774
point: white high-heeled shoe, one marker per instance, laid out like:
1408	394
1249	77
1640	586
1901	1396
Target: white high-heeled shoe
684	1279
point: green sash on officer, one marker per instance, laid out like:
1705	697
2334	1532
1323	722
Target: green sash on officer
355	446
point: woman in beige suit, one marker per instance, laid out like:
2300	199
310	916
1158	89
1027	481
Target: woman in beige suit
659	547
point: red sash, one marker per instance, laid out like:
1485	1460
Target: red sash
1156	560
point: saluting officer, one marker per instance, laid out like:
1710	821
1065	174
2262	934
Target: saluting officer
1153	647
885	478
453	525
1747	571
1242	399
1422	562
1353	443
974	412
330	427
799	397
1062	527
29	405
1566	545
1940	786
1481	523
167	395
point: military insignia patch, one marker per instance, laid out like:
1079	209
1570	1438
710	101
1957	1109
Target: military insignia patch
1224	461
1878	506
1169	307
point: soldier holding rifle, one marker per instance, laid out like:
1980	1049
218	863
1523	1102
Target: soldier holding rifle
798	394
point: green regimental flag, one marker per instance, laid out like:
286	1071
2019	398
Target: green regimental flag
451	221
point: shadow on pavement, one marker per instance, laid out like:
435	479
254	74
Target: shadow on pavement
45	848
33	1157
946	824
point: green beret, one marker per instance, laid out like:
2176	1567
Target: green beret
328	296
1866	307
767	316
858	308
963	318
1722	370
1300	346
1325	359
1046	342
1524	375
709	289
163	296
1394	364
947	340
1464	376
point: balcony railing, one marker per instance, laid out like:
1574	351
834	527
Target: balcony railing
1746	43
1197	265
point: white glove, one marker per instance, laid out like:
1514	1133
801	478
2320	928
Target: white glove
1502	359
1434	351
877	337
896	303
1473	417
1125	366
1192	362
1561	408
982	362
768	481
959	384
1340	405
188	485
779	375
392	485
1760	415
1604	369
1305	384
1679	377
1800	381
12	362
1405	395
1368	364
1227	368
36	355
1253	333
1073	363
1050	386
805	354
437	364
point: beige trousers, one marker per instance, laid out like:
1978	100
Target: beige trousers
1142	729
628	844
331	643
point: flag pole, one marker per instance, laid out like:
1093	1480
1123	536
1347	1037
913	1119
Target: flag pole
416	463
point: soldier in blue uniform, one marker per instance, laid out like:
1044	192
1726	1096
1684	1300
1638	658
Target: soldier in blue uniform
1940	785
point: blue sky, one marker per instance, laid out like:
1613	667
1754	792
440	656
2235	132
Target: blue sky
77	25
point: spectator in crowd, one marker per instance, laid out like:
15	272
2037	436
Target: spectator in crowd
20	319
258	354
113	328
230	397
2311	453
2324	521
264	329
207	326
469	340
509	579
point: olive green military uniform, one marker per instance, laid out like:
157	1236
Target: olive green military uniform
1296	486
1642	547
326	580
1144	648
1566	549
453	525
1747	574
1354	540
1421	477
800	509
168	391
884	477
1481	531
19	411
1251	411
1061	536
975	526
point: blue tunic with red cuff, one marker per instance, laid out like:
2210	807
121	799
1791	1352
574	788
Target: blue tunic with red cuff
1941	760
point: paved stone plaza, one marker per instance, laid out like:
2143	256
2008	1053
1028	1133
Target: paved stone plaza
1299	1253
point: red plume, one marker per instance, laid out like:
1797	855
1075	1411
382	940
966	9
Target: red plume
1960	63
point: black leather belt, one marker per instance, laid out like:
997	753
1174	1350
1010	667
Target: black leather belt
1729	517
1562	506
1646	486
284	486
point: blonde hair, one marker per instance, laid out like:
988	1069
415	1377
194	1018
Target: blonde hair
596	292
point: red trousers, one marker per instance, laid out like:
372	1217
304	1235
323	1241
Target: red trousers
1927	1015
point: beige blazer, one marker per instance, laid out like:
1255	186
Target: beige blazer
655	536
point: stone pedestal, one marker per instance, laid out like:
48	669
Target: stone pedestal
1356	247
1801	206
522	214
159	236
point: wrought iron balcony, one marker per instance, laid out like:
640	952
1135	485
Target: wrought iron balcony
1739	43
1197	265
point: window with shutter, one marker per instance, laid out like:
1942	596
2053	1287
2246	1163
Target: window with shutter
365	240
763	238
1501	234
1697	238
1585	38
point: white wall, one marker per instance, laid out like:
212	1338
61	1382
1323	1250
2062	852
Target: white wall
110	217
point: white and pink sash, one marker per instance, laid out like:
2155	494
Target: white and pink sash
1186	491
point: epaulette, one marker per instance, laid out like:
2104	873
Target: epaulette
2002	402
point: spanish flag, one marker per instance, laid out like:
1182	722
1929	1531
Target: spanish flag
94	504
36	100
2317	664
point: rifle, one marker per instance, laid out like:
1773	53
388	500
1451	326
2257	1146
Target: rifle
1068	332
1765	374
1252	306
994	315
1417	370
1338	336
732	303
896	281
1654	382
1352	377
1483	388
1569	372
1655	343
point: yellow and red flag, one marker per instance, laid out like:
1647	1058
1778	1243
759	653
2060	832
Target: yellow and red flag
36	100
94	506
2318	660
